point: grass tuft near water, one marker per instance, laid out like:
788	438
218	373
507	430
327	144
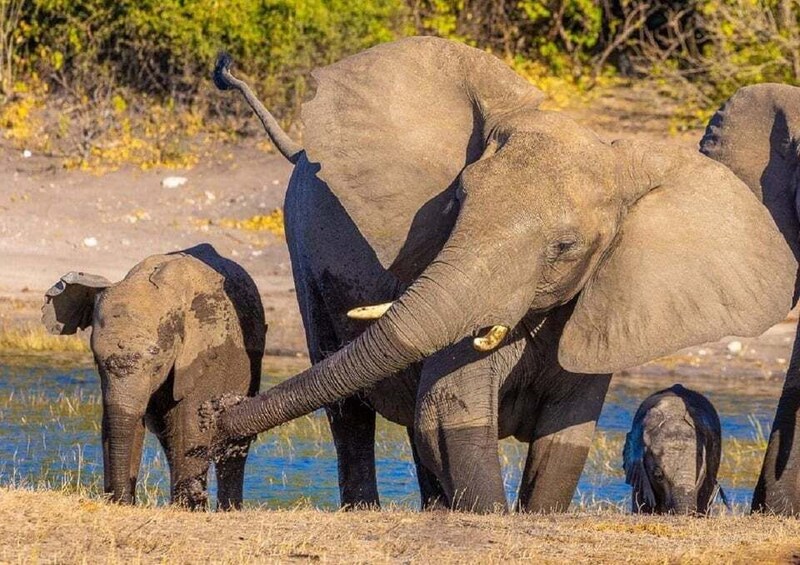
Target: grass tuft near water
37	339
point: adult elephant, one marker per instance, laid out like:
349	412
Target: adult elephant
430	178
757	135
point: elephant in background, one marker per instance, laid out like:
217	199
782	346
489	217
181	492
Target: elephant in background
178	330
757	135
431	185
672	454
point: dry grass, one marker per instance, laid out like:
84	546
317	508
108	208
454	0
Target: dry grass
36	339
53	527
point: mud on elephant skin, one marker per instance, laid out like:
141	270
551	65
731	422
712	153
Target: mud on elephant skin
672	454
430	179
757	135
178	330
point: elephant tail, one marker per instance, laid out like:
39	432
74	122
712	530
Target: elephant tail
224	80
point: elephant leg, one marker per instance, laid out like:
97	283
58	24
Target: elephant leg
353	429
122	438
230	476
778	487
456	427
187	454
431	492
352	422
563	434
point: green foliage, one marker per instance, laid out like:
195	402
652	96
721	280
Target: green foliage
166	48
131	77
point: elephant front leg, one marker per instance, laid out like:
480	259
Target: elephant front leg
353	429
123	438
778	487
456	428
562	438
431	492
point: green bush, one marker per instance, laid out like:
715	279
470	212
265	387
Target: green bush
136	72
166	48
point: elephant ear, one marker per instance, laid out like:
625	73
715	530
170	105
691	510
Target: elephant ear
756	134
695	259
211	348
633	464
69	304
392	128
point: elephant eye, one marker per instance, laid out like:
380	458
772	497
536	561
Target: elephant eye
560	247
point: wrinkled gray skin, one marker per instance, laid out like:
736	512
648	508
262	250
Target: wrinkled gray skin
672	453
757	135
178	330
430	177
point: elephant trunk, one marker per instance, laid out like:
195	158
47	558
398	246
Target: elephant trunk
449	301
684	501
119	435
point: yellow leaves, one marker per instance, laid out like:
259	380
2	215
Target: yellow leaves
272	222
19	117
119	104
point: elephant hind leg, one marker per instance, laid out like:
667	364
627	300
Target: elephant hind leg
562	438
352	421
230	477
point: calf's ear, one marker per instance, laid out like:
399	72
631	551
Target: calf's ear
69	304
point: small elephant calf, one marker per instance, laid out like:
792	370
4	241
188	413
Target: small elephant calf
672	453
178	330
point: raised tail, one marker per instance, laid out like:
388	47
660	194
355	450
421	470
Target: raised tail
224	80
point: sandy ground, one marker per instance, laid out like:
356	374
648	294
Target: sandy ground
52	527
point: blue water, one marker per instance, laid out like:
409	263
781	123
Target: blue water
50	438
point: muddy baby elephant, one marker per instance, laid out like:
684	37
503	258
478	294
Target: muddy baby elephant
178	330
672	453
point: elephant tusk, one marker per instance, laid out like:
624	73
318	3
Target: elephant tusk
369	312
491	340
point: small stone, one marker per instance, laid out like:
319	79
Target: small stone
26	154
210	196
173	182
735	347
90	242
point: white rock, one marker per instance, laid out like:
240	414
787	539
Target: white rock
90	242
27	154
735	347
173	182
210	196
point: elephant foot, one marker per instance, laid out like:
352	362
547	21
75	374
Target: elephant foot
190	493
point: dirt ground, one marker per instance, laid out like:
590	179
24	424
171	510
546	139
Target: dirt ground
58	528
